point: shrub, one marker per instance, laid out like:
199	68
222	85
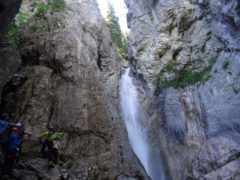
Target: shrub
12	34
21	18
225	65
34	2
57	5
184	78
41	8
171	65
18	24
236	90
83	24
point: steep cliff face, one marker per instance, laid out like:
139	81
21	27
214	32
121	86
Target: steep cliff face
69	79
193	46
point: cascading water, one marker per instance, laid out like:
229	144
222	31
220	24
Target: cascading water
132	114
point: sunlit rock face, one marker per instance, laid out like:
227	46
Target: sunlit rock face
196	128
69	80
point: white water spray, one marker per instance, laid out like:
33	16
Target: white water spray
132	114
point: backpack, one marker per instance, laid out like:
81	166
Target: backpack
5	130
3	126
53	137
50	136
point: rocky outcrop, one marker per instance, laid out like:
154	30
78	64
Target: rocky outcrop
69	80
197	122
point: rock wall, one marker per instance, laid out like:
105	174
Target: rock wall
9	59
69	80
197	126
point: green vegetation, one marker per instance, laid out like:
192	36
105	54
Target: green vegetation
225	65
57	5
12	35
91	177
171	65
53	5
219	50
236	90
183	77
22	18
18	24
83	24
41	8
119	39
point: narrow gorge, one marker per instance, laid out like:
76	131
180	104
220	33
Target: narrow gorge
173	114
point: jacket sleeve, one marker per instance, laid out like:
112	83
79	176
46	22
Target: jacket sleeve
43	134
59	133
55	135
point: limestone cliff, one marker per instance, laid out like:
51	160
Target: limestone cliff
189	49
69	80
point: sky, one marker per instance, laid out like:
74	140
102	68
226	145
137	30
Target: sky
120	10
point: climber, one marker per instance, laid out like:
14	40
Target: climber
48	143
11	147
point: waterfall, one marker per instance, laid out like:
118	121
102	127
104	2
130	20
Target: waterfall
134	117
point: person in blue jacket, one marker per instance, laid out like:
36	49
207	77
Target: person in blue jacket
12	147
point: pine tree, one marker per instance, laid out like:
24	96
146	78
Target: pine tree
119	39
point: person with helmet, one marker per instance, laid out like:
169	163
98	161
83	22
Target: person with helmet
46	144
47	149
12	146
